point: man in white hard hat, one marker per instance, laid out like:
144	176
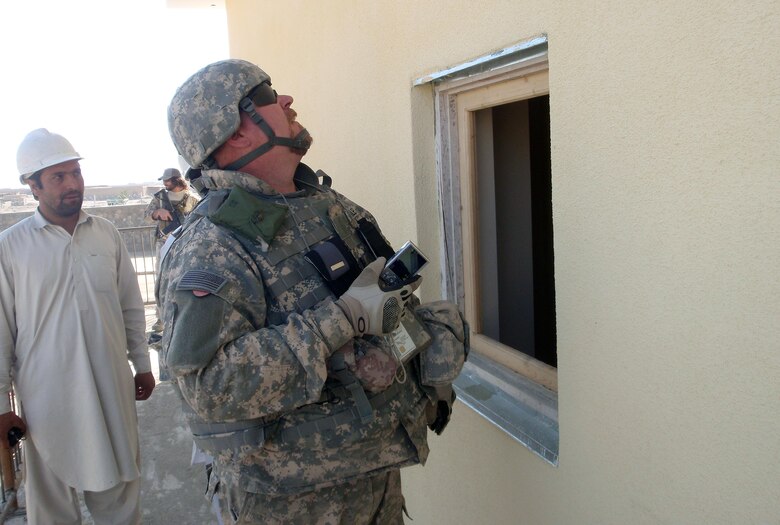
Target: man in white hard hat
71	315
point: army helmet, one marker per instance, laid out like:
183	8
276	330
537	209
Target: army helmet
204	112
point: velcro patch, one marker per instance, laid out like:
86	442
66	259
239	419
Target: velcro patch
201	280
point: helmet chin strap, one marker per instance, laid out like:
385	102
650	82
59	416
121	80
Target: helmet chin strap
297	142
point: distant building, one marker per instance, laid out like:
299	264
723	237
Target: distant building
16	200
128	191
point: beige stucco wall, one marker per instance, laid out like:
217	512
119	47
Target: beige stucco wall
665	158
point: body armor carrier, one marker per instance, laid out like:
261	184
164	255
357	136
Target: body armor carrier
361	433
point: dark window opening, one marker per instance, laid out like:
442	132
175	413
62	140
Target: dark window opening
515	235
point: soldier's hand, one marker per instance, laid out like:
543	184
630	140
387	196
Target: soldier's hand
438	415
376	369
373	367
369	308
8	421
161	214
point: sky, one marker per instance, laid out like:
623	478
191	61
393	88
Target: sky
101	73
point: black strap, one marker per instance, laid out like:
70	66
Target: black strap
374	239
299	141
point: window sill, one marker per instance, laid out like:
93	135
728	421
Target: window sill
523	409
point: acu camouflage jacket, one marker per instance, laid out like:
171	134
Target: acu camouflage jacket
249	326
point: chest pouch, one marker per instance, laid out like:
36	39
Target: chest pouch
251	216
443	360
335	264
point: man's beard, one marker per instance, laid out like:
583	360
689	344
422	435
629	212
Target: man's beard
70	208
308	139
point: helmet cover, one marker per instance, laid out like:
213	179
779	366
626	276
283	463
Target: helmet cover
204	112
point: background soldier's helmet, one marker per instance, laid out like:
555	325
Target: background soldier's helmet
204	112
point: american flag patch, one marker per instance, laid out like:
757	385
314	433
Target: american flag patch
201	280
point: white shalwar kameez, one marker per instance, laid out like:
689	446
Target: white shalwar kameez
71	315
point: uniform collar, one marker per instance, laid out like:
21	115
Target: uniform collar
217	179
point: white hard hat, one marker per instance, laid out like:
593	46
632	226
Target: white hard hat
41	149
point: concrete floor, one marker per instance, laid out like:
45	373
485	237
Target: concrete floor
171	488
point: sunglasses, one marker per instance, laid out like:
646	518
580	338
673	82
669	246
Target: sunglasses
262	95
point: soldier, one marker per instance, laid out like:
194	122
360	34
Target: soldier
168	208
170	205
282	340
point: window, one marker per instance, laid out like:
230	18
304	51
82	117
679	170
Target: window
509	296
493	134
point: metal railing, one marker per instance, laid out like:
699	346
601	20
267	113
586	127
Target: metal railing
141	242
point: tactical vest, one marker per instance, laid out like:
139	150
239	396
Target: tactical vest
327	442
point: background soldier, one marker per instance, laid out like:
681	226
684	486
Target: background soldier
168	208
170	205
277	328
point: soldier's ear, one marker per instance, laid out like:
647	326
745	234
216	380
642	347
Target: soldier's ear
234	147
238	141
242	137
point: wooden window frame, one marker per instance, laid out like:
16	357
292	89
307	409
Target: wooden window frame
513	391
456	102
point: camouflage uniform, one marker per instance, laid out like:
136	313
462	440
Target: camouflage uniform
250	325
184	206
375	499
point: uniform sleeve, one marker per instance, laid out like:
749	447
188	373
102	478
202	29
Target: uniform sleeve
132	310
7	328
192	201
228	364
154	204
